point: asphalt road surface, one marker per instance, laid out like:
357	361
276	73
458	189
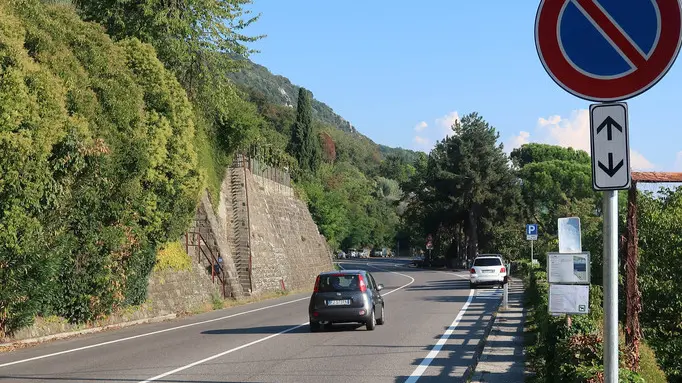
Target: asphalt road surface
433	325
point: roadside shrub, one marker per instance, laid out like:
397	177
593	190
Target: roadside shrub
98	166
568	350
172	256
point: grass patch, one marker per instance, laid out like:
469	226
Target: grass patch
649	368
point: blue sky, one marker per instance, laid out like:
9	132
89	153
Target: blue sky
393	67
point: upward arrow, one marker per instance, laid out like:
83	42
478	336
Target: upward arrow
609	123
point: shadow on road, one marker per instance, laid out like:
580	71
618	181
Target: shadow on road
447	285
455	359
277	329
257	330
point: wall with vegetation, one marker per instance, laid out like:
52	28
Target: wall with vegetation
178	284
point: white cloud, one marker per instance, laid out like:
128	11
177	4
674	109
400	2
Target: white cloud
517	141
445	123
638	162
422	143
421	126
574	132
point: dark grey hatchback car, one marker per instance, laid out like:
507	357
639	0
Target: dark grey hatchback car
346	296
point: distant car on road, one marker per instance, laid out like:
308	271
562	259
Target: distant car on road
487	270
346	296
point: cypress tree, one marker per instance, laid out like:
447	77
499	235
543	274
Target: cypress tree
304	144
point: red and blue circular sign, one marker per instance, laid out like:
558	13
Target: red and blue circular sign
608	50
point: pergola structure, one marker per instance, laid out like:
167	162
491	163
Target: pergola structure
633	303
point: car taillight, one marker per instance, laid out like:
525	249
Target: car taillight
503	270
472	271
363	285
317	284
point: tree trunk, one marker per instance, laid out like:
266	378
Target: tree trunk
473	234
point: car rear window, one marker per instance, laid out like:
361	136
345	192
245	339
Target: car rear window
341	282
487	262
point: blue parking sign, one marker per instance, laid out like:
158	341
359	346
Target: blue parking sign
532	232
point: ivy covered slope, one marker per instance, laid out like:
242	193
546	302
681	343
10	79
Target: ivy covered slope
98	167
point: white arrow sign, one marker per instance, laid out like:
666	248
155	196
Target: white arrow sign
609	134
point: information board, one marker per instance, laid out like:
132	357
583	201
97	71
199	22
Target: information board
569	299
568	268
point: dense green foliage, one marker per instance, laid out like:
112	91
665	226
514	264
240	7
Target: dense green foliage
98	165
566	350
463	192
660	241
192	37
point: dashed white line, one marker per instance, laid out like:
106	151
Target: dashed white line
148	334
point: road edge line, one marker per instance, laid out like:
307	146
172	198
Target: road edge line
478	353
471	369
92	330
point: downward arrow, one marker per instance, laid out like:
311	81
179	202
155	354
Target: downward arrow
610	170
609	123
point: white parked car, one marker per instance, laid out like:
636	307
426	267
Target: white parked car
487	270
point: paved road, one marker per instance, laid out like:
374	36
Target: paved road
270	341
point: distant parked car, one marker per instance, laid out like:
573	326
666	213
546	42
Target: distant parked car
346	296
487	270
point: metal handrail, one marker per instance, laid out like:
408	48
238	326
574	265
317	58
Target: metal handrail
248	221
197	239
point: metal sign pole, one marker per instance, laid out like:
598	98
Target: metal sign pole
531	254
611	286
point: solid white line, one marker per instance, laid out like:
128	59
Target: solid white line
419	371
148	334
198	362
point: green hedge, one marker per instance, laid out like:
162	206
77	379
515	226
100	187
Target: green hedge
571	353
98	165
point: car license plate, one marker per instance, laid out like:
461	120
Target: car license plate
338	302
487	271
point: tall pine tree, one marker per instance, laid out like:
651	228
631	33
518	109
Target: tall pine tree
304	144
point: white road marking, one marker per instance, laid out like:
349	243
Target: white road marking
489	294
165	374
149	333
419	371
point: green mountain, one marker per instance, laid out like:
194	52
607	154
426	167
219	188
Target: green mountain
279	90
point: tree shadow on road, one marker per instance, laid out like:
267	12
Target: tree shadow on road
257	330
337	327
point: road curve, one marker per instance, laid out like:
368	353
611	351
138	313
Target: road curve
434	323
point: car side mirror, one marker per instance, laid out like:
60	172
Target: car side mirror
380	287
